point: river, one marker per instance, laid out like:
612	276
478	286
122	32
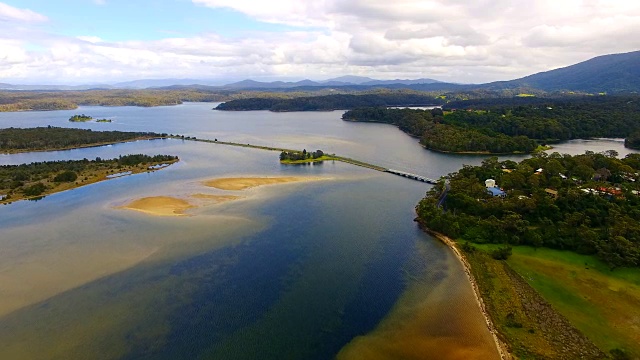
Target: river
311	270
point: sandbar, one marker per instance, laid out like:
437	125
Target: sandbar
215	199
160	206
243	183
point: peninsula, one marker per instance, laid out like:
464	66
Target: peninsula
17	140
35	180
550	242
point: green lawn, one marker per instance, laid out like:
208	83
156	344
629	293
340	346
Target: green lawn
603	304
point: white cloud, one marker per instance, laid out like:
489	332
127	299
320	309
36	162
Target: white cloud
448	40
10	13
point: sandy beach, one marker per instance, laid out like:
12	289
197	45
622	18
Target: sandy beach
502	348
160	206
243	183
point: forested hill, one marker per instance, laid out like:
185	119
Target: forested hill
511	125
55	138
431	127
331	102
586	203
547	119
608	73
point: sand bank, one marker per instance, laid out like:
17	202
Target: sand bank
215	199
502	347
160	206
243	183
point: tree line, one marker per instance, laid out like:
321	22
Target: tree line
69	100
431	127
51	138
331	102
35	178
587	203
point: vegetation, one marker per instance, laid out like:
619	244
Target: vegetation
524	319
300	157
41	178
587	204
56	138
431	127
69	100
633	141
80	118
552	118
331	102
518	124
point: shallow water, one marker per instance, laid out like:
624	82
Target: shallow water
296	271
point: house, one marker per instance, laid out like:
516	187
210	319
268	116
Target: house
493	189
496	191
552	193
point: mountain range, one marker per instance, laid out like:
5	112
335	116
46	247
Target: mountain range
613	73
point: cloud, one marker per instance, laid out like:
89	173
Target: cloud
453	40
10	13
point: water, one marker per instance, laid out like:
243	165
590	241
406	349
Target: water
297	271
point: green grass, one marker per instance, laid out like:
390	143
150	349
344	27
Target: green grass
603	304
307	161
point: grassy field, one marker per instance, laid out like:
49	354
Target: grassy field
603	304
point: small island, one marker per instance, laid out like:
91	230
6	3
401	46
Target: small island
304	157
35	180
103	120
80	118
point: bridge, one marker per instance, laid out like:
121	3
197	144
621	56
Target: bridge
412	176
407	175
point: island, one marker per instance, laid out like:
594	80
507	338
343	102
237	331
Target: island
80	118
103	120
549	243
15	140
304	157
35	180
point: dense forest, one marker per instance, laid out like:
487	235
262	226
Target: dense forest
586	203
332	102
39	178
512	124
551	119
52	138
431	127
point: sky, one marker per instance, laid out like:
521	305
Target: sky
107	41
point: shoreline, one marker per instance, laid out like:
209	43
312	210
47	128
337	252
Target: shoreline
502	347
82	146
62	187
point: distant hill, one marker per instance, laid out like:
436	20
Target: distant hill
335	82
608	73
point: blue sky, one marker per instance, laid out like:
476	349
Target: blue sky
89	41
121	20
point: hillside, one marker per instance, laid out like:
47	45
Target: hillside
608	73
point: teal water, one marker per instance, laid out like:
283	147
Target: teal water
293	271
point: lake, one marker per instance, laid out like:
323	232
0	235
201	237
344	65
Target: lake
320	269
